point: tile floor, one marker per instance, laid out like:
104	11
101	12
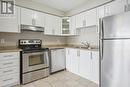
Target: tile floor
62	79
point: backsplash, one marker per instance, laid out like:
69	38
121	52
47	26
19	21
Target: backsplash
89	35
11	39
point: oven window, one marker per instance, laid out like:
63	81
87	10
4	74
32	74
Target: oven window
36	60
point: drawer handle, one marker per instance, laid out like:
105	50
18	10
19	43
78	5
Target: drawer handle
7	79
7	71
8	55
8	63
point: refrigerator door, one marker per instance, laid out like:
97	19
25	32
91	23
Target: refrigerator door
117	26
115	64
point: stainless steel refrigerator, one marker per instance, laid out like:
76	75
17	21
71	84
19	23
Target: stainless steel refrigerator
115	51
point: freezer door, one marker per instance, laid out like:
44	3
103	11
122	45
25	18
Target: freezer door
117	26
115	64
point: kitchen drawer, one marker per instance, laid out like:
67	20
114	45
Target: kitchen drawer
9	79
9	63
9	55
9	70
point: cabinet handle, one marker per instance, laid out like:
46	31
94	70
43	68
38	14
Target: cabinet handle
78	53
91	56
84	23
33	21
7	79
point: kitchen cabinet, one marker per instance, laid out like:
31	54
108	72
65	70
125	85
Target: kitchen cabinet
80	20
52	25
72	26
39	19
9	69
31	17
84	63
11	23
26	16
57	59
101	12
91	17
72	60
115	7
95	66
57	25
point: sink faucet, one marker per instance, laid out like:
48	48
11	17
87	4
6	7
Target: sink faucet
86	44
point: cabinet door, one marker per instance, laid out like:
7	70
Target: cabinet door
38	19
48	24
72	61
85	64
101	12
68	60
91	17
57	25
80	20
11	24
95	67
72	27
26	16
115	7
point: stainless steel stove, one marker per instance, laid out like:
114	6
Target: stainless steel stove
34	60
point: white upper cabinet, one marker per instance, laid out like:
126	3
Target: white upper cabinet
57	25
80	20
30	17
91	17
48	24
100	12
72	26
115	7
38	19
52	25
26	16
11	24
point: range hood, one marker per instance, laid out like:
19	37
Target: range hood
31	28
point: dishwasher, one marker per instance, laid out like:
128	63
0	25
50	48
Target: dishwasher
57	60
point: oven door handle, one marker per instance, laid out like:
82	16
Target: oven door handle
46	58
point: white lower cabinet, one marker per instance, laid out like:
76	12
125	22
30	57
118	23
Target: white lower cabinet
72	60
9	69
84	63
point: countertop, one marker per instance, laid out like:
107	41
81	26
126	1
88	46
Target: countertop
9	49
51	47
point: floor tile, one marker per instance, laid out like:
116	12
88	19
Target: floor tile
62	79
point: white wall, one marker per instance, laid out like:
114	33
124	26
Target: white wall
89	35
87	6
12	39
38	6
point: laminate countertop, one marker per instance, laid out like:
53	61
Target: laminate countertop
9	49
51	47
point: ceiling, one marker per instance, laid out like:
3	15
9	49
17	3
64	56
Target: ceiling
63	5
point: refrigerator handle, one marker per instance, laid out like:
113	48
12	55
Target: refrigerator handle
101	34
101	49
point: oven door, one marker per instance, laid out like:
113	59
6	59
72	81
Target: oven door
34	61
